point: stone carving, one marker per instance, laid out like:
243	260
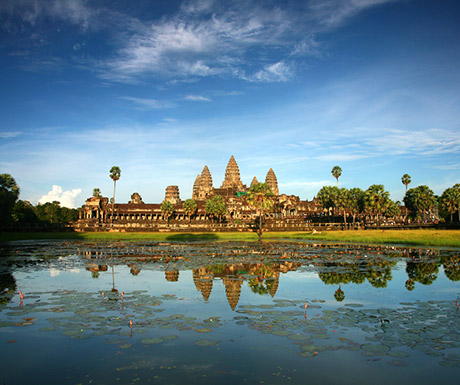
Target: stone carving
232	175
136	199
254	181
272	182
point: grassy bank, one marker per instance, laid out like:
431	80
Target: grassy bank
423	237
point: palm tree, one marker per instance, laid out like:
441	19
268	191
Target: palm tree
336	172
420	200
344	202
457	186
357	202
376	200
97	192
328	197
406	180
450	201
260	196
190	208
9	194
167	209
215	207
115	174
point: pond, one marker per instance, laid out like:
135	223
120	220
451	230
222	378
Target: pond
227	313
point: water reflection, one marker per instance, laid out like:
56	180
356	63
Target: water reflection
144	307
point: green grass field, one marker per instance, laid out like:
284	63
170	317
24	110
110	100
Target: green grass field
423	237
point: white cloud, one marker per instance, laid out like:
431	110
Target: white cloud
9	134
149	104
417	142
277	72
334	12
197	98
75	11
216	44
65	198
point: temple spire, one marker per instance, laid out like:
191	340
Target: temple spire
232	175
272	182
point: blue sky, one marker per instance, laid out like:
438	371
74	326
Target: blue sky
162	88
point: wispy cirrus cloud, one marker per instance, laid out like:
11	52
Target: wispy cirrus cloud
417	142
31	12
149	104
276	72
331	13
217	43
9	134
197	98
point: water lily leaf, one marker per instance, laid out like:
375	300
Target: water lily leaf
398	363
206	343
152	341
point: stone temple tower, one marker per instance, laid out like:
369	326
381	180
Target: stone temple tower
172	194
202	188
232	175
272	182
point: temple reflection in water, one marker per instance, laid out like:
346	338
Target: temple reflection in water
262	278
261	265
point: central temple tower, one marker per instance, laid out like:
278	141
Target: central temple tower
232	175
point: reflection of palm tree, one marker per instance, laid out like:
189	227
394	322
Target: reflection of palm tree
410	284
339	295
113	281
452	268
422	272
257	286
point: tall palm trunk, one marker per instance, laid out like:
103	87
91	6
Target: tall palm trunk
113	202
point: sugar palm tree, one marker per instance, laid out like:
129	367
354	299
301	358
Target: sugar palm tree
97	192
115	174
167	208
336	172
420	200
190	208
376	200
260	196
406	180
450	201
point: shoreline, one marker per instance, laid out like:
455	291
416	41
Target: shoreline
420	237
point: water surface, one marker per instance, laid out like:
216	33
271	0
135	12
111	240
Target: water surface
228	312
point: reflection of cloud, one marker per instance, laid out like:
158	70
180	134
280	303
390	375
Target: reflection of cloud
65	198
54	272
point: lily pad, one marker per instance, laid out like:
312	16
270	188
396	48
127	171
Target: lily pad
206	343
152	341
377	349
398	363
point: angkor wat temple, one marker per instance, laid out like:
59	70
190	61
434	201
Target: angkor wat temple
289	212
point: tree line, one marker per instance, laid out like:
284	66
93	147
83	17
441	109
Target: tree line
16	213
419	202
